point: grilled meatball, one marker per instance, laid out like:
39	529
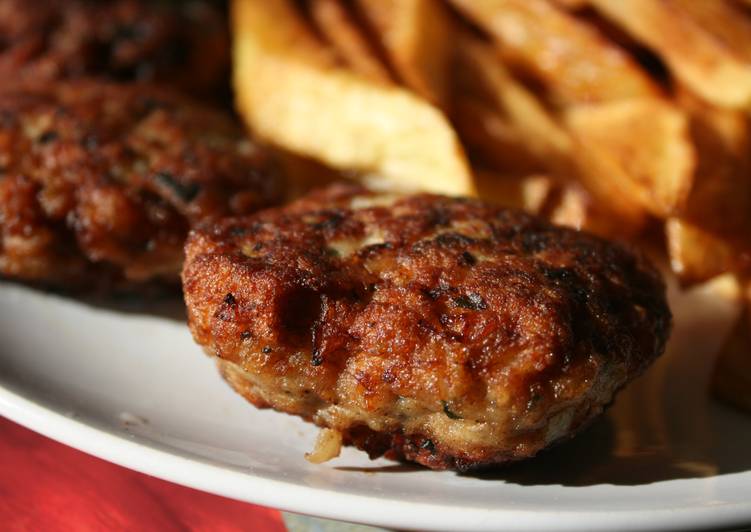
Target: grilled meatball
183	43
439	330
99	183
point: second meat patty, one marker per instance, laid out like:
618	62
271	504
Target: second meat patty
184	44
100	182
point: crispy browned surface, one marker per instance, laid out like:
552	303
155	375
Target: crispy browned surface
100	182
444	331
183	43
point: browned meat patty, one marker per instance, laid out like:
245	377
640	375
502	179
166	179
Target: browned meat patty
99	183
439	330
183	43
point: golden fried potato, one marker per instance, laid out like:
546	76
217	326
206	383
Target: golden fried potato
524	131
575	62
713	232
493	140
337	25
697	255
731	381
720	199
303	174
291	93
538	132
531	193
707	44
571	5
278	31
639	149
418	36
574	206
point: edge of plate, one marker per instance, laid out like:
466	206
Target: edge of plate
194	473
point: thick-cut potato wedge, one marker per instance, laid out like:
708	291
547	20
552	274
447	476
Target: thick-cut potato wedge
279	31
418	36
336	24
575	207
707	43
731	381
538	131
727	129
562	202
303	174
720	199
522	118
572	59
292	98
639	148
572	5
697	255
493	140
713	234
531	193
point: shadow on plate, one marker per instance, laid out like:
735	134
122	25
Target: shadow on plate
391	468
161	303
167	306
608	453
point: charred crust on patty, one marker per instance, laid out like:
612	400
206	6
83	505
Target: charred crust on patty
400	338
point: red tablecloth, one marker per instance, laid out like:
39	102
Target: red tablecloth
45	485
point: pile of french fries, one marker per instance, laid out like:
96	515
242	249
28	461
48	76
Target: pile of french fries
628	118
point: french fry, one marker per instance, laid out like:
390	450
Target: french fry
636	151
537	130
573	61
279	31
731	381
697	255
721	129
523	118
571	5
562	202
707	44
575	207
720	199
291	95
528	192
493	140
418	36
571	208
712	234
334	21
303	174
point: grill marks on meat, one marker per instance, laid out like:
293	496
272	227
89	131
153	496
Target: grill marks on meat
440	330
99	182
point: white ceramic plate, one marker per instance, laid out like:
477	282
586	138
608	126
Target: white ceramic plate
129	385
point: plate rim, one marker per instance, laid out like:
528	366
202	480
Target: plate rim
139	455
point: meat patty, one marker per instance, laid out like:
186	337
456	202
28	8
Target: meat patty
444	331
100	182
183	43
